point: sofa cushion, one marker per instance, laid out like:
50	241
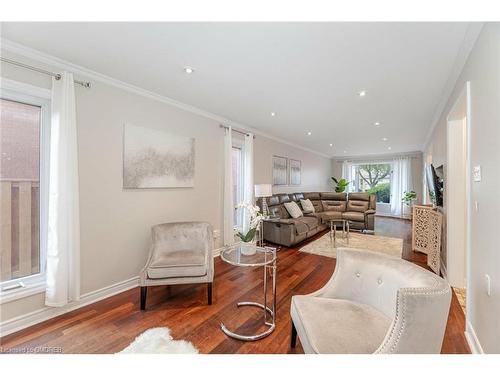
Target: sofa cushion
284	198
165	273
359	206
273	200
307	206
312	196
293	209
277	212
338	326
318	206
330	215
359	196
334	205
354	216
310	221
298	196
333	196
324	217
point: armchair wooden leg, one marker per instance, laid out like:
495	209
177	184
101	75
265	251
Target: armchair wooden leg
144	292
209	291
293	341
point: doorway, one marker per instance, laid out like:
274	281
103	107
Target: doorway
457	179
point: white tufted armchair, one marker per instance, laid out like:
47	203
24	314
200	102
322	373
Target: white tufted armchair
373	303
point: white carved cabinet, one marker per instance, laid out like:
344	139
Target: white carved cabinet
426	234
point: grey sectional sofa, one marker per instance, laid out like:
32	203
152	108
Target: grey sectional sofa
282	229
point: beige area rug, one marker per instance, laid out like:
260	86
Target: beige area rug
386	245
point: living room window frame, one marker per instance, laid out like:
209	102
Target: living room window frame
25	286
358	163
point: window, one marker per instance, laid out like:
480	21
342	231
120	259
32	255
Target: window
237	167
374	179
24	125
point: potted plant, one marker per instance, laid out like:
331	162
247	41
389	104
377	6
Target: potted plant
408	198
255	219
341	184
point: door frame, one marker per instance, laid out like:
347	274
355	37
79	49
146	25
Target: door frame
464	99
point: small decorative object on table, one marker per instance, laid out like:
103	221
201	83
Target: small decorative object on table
255	217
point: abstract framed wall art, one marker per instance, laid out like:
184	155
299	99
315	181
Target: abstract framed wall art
156	159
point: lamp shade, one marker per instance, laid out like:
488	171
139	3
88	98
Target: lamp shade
263	190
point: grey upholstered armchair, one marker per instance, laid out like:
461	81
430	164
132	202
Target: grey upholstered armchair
373	303
181	253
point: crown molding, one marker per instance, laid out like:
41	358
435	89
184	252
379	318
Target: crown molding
376	157
470	37
85	73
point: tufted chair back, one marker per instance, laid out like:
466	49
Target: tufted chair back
415	299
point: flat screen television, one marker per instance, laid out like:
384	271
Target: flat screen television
435	185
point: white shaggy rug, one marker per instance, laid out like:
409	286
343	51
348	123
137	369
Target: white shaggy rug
325	246
159	341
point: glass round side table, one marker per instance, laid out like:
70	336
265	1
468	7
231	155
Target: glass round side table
250	255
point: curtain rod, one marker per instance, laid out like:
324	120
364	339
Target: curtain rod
57	76
235	130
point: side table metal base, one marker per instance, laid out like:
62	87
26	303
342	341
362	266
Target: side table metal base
259	336
269	311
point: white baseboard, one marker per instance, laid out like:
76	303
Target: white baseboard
382	214
472	340
23	321
216	252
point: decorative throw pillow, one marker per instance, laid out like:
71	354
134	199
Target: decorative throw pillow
293	209
307	206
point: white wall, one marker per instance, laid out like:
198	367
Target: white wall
115	223
316	169
482	69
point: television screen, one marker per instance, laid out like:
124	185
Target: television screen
435	185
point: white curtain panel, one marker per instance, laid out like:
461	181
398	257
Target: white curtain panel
63	245
346	173
248	186
401	181
228	189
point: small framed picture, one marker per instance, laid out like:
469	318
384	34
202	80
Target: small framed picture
280	170
295	171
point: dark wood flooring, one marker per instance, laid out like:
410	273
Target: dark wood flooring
110	325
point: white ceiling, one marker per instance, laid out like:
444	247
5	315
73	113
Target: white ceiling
308	73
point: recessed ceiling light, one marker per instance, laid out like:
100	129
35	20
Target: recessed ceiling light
345	152
385	139
362	93
188	70
273	114
331	144
377	123
389	148
309	133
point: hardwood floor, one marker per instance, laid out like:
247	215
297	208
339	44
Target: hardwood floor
110	325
